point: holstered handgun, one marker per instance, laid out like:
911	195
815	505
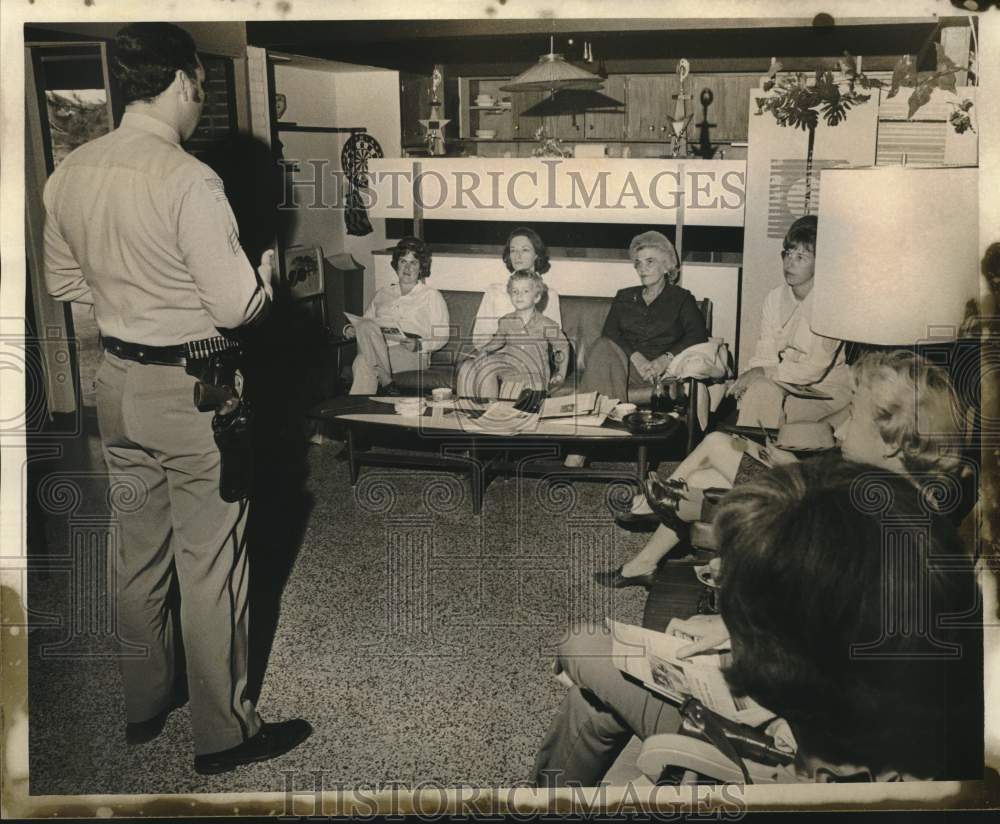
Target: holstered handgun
232	423
734	740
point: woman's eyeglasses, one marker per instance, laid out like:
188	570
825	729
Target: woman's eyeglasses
800	255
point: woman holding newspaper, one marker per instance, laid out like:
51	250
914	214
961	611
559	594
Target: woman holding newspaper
804	581
794	374
403	324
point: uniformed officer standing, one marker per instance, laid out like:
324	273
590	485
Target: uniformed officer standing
143	231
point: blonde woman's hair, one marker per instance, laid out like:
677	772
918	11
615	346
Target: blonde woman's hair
915	408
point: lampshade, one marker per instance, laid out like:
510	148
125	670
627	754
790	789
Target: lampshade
552	72
896	253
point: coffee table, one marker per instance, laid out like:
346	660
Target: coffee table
448	442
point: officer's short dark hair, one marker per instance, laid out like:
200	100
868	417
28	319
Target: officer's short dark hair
146	58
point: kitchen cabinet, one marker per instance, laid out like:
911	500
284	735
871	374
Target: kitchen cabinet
730	106
525	125
629	107
608	122
649	106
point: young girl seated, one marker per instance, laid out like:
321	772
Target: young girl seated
519	352
903	417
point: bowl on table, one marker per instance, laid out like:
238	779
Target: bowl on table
409	407
645	422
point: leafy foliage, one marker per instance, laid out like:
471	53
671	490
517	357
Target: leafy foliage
799	100
550	146
905	74
74	121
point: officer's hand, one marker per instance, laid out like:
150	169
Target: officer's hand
267	270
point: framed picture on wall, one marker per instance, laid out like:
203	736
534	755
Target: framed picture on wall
304	271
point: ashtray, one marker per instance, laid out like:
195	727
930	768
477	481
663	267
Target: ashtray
646	421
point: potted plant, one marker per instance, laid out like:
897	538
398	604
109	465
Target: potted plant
800	100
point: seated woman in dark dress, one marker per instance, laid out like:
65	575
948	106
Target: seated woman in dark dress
646	327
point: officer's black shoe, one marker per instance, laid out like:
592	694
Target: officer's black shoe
270	741
142	732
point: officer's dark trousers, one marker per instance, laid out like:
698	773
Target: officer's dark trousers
155	439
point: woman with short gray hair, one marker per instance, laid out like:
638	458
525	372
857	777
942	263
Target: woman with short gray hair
647	326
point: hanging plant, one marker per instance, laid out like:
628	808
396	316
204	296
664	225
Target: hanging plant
905	74
800	99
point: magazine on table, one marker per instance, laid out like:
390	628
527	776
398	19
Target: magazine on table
651	657
390	329
569	406
600	414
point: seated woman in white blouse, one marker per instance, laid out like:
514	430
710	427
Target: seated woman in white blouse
788	350
523	251
412	307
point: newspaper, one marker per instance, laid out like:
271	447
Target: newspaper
569	406
651	657
390	329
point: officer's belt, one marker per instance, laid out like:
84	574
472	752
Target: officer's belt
177	355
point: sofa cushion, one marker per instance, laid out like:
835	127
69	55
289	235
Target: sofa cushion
582	319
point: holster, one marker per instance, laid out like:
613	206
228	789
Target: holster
734	740
232	422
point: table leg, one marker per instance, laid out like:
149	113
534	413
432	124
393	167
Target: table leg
642	461
352	459
477	479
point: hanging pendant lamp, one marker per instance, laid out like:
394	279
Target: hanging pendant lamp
552	73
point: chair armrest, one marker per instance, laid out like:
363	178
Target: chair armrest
684	752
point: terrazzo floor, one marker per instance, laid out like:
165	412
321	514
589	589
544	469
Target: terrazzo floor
415	637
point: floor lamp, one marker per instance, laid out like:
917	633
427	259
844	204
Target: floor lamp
897	254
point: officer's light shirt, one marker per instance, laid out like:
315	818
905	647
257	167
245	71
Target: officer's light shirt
143	231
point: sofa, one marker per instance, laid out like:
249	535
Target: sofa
582	318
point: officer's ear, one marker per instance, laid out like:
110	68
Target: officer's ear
184	84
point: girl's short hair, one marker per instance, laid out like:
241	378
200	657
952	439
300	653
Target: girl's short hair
806	587
915	409
419	248
534	277
542	264
802	233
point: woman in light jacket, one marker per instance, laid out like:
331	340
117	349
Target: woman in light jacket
409	305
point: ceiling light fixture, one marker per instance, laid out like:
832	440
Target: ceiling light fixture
551	73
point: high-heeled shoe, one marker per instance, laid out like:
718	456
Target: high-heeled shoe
664	498
614	578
